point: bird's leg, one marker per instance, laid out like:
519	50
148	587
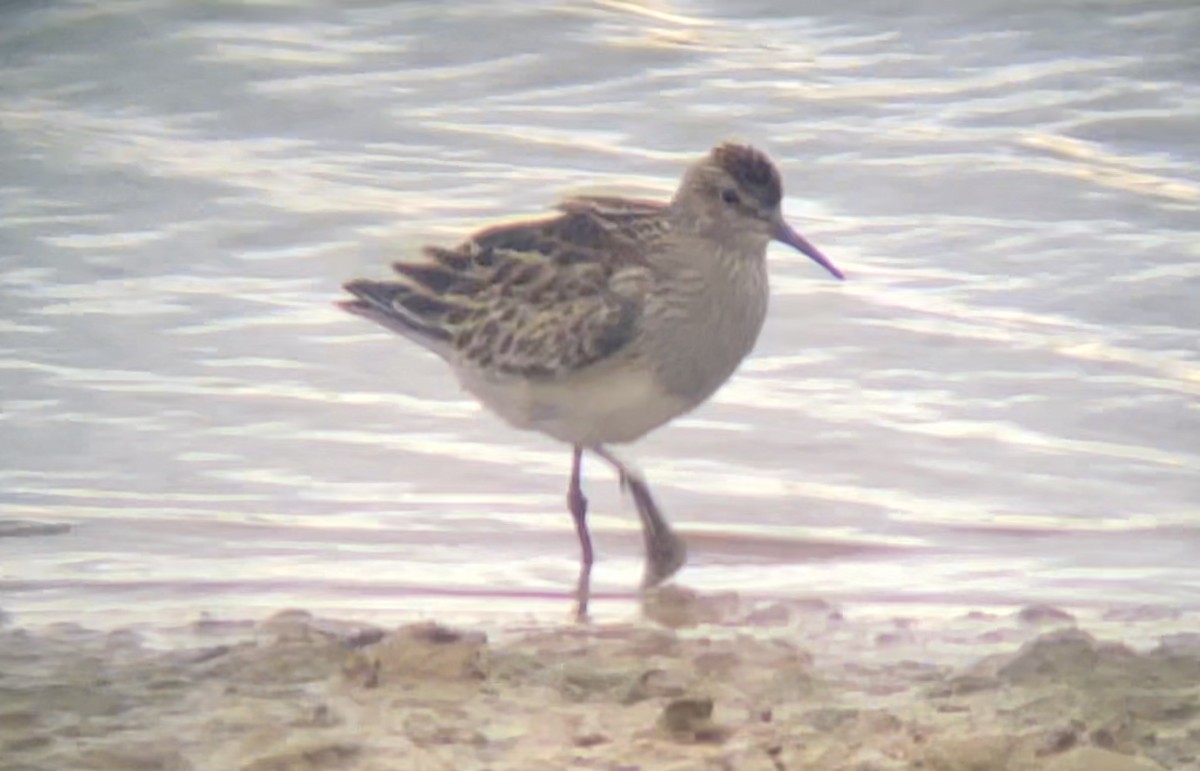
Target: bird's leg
665	551
578	506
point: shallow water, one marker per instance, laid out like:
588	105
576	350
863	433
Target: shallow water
999	406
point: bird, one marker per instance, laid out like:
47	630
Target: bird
604	320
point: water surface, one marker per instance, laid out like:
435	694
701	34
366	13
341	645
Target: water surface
999	406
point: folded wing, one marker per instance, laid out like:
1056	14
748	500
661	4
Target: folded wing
534	299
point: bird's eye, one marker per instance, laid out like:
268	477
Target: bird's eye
730	196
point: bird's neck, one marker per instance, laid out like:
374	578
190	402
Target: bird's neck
714	300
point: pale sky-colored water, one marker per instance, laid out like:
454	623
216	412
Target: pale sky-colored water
999	406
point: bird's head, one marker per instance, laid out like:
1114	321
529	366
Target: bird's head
734	194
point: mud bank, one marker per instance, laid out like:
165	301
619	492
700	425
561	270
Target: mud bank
776	687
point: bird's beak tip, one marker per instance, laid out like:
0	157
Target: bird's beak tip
784	233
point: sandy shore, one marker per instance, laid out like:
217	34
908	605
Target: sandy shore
711	683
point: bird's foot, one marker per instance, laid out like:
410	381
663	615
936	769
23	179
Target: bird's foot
666	553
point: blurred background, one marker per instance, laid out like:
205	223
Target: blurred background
998	407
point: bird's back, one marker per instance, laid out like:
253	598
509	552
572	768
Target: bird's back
535	299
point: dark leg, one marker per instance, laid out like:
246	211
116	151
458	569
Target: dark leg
665	551
578	506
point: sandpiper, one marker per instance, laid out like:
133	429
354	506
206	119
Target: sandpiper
604	321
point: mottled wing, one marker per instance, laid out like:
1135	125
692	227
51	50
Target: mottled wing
535	299
633	221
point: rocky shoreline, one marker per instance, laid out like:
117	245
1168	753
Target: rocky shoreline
778	687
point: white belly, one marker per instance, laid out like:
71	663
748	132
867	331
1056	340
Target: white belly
612	403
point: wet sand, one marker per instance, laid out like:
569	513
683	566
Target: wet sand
702	682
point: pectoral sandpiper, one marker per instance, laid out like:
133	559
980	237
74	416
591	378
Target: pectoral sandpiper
604	321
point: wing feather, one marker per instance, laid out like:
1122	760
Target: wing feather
536	299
